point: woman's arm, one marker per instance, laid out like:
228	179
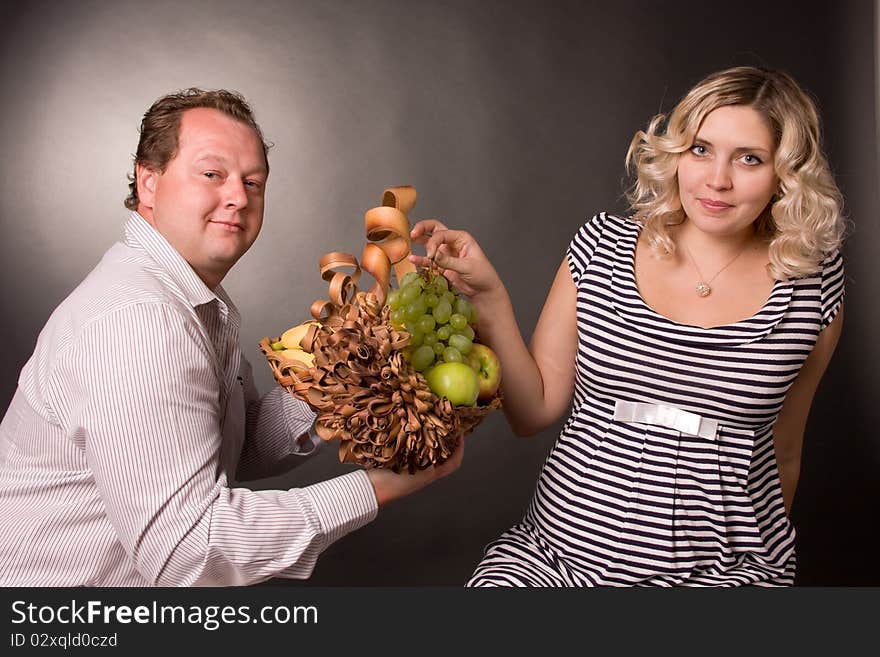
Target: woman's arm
788	432
538	383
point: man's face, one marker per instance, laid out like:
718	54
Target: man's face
208	203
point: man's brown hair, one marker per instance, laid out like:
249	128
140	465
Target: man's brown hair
160	128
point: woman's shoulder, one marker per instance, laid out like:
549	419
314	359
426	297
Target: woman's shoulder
604	220
825	286
832	262
833	286
829	267
602	228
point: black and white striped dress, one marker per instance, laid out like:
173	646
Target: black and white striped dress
625	500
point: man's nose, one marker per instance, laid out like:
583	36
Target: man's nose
235	195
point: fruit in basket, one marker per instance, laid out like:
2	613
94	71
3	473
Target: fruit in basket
368	384
289	347
435	315
489	370
291	338
456	381
298	354
441	326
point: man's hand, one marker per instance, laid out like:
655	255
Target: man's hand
390	486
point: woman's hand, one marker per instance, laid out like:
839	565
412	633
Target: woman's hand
459	257
538	381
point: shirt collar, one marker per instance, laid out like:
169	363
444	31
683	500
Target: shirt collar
139	234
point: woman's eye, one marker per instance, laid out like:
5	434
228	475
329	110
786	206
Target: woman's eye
751	160
699	149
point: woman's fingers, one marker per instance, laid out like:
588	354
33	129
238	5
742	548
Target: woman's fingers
423	230
431	233
458	282
443	243
419	261
456	253
448	242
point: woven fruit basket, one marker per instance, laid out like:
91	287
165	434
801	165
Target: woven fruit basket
353	365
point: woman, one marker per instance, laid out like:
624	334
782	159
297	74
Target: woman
688	341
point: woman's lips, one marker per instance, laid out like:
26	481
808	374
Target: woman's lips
714	206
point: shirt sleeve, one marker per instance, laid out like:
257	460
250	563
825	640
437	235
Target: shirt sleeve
832	287
582	246
279	430
142	394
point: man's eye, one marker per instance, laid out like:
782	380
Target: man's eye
253	184
211	174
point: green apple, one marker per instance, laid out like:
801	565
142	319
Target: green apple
455	381
489	371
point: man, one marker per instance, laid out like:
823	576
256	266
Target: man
137	410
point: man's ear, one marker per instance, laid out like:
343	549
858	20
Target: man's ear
146	185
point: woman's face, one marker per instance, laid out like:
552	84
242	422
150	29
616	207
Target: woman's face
726	179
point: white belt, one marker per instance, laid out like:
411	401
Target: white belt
666	416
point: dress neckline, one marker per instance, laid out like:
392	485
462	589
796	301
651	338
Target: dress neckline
630	304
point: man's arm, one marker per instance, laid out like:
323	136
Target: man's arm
279	431
144	400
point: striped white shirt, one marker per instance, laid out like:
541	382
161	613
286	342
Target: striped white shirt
132	420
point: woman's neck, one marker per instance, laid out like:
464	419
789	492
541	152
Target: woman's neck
713	246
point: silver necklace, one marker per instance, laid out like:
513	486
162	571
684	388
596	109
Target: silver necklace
703	287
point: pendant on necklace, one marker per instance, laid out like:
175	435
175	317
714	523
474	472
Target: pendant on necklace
703	289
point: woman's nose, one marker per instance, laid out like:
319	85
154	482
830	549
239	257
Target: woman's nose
719	176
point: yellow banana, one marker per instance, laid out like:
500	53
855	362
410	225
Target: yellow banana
299	355
291	338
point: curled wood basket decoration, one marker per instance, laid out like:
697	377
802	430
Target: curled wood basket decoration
364	392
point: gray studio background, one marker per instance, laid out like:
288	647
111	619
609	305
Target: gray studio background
511	119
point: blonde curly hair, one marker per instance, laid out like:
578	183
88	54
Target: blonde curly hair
803	223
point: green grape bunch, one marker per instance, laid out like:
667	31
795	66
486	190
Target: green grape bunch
438	318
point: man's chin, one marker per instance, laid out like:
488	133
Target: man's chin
225	260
